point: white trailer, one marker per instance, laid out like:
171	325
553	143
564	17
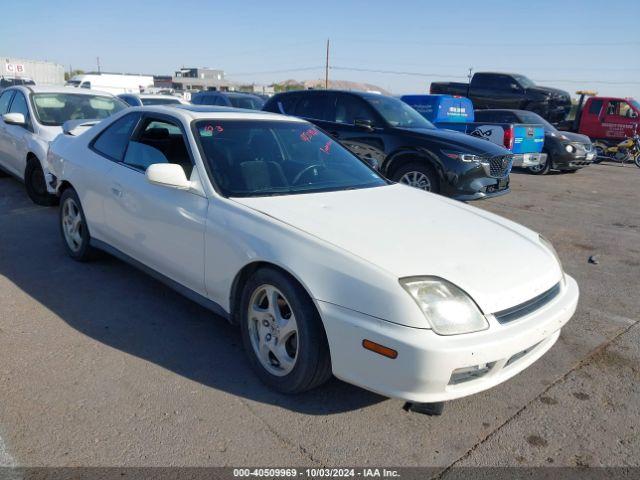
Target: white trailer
112	83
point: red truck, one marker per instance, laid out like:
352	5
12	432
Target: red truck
605	120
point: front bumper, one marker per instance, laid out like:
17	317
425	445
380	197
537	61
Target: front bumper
525	160
423	369
568	161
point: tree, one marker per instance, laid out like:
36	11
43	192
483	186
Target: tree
69	75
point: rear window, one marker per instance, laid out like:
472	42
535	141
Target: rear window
250	103
595	107
54	109
159	101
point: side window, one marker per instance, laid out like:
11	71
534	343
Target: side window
5	98
19	105
626	111
112	142
85	85
315	106
220	100
159	141
350	108
480	80
206	100
284	104
503	82
595	106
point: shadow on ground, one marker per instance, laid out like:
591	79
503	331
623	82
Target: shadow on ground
119	306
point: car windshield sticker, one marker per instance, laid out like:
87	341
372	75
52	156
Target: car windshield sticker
210	130
327	147
308	134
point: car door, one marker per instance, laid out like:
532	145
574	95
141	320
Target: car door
618	120
350	116
161	227
18	136
5	139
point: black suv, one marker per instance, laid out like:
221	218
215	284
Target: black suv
401	143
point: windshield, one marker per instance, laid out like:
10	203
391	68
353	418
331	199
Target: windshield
397	113
250	103
53	109
72	83
524	82
530	117
259	158
159	101
635	104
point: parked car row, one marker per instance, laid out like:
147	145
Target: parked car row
283	218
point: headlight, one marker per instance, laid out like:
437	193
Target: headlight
465	157
449	310
547	244
570	148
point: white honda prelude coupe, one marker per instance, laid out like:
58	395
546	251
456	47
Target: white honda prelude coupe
326	266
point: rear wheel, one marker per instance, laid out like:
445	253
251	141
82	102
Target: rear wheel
417	175
636	159
36	185
542	168
283	334
73	227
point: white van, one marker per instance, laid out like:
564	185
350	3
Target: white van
112	83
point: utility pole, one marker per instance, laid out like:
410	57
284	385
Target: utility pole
470	75
98	62
326	69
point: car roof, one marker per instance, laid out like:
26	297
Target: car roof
57	89
190	112
358	93
149	95
228	94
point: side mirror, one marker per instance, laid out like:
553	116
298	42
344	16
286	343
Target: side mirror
168	175
363	123
14	119
515	87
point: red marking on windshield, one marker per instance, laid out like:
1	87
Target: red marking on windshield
308	134
327	147
214	129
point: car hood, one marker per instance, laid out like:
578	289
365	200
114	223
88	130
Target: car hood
408	232
452	140
574	137
556	92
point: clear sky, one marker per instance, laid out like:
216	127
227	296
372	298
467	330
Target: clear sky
567	44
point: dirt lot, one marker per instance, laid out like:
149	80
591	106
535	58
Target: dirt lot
102	365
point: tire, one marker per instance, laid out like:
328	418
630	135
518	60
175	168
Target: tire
541	169
418	175
599	148
76	239
36	186
288	357
636	160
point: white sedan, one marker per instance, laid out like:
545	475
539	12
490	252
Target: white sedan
326	266
31	117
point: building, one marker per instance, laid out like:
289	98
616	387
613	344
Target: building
200	78
42	73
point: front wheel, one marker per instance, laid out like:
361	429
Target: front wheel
636	159
417	175
283	334
36	185
73	227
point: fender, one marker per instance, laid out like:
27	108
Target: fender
418	153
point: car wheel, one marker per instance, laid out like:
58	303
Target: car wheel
36	185
417	175
541	169
600	150
283	334
636	160
73	227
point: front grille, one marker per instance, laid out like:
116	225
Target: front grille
500	166
519	311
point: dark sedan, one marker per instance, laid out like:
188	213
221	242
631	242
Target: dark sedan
566	151
401	143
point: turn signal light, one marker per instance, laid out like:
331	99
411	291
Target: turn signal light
380	349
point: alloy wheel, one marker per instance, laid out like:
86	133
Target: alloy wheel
416	180
72	224
273	330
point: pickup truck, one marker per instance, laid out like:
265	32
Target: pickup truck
606	120
509	90
524	139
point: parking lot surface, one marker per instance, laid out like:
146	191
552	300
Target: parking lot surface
100	365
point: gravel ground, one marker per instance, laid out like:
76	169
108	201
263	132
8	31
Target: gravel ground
101	365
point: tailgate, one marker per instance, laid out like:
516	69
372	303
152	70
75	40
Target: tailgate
528	138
